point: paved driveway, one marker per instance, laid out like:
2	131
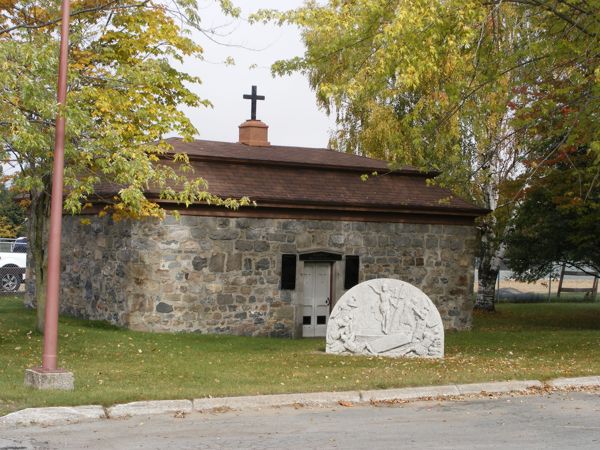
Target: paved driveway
558	420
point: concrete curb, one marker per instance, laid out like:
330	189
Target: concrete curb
275	401
499	387
405	394
58	415
148	408
64	415
562	383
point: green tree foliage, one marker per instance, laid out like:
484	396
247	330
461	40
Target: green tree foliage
558	220
123	96
12	213
472	88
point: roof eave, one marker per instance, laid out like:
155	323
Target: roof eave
346	207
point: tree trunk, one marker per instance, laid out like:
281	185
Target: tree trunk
491	249
38	255
490	255
488	274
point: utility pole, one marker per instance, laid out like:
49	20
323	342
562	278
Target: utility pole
49	376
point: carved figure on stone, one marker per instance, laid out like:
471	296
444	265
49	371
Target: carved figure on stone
385	317
342	335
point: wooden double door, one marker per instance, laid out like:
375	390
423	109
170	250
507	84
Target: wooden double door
316	278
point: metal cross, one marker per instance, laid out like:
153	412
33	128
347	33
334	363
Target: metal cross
254	98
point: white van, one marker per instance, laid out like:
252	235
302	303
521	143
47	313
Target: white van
13	261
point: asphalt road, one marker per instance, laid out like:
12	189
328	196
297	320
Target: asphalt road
551	421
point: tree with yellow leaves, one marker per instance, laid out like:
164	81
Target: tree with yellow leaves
469	87
123	97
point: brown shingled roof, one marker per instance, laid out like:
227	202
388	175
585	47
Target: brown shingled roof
280	155
294	177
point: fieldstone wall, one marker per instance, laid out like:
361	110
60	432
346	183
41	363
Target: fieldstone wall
96	265
222	275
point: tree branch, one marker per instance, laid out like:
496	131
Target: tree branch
553	10
110	5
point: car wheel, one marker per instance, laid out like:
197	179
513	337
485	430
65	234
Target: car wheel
10	282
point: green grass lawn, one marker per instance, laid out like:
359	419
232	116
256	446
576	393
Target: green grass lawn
112	365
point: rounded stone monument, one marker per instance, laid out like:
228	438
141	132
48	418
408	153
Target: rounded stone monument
385	317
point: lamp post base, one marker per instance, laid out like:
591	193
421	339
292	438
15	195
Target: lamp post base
58	379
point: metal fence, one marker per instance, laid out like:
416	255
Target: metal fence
18	245
6	245
555	287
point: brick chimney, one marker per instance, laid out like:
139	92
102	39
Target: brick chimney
254	133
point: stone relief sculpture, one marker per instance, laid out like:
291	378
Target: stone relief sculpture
385	317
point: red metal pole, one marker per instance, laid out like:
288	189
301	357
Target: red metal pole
56	203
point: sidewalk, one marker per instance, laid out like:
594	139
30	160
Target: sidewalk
179	408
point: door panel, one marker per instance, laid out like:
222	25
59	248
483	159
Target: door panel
316	279
322	278
308	316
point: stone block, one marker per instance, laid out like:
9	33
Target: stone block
327	225
224	299
253	234
199	262
244	246
217	263
359	226
304	240
277	237
170	244
261	246
417	242
243	223
234	262
262	264
291	225
164	308
336	240
284	312
224	234
223	222
39	378
246	290
288	248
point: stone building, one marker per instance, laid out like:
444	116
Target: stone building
278	268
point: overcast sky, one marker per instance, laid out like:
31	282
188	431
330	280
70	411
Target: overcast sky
289	110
